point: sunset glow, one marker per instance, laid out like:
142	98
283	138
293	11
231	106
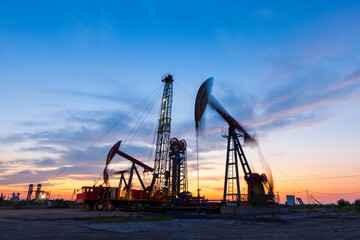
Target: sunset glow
75	80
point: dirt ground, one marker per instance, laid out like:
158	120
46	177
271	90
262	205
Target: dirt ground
61	224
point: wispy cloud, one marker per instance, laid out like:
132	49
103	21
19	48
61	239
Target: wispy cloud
68	146
295	104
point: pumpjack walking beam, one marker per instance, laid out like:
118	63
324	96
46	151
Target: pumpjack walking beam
115	150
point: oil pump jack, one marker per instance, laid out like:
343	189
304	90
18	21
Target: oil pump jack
257	184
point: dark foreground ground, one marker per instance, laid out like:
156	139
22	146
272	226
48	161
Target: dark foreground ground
75	224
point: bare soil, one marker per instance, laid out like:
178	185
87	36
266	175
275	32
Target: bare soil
68	224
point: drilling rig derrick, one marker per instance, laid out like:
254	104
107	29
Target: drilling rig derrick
161	178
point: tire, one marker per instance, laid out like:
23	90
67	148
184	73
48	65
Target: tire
99	206
109	206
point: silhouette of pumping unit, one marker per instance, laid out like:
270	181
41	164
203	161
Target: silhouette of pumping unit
28	198
257	184
39	194
115	150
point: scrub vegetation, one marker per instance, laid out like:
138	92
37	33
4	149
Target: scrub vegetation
347	206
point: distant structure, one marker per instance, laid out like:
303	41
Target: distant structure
15	198
28	198
38	192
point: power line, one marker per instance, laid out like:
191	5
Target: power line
292	180
191	96
139	123
281	171
145	174
334	193
292	192
147	110
132	130
321	193
332	173
326	174
98	139
321	178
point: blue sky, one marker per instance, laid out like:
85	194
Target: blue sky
70	70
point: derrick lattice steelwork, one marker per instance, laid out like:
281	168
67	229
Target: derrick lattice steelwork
162	163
